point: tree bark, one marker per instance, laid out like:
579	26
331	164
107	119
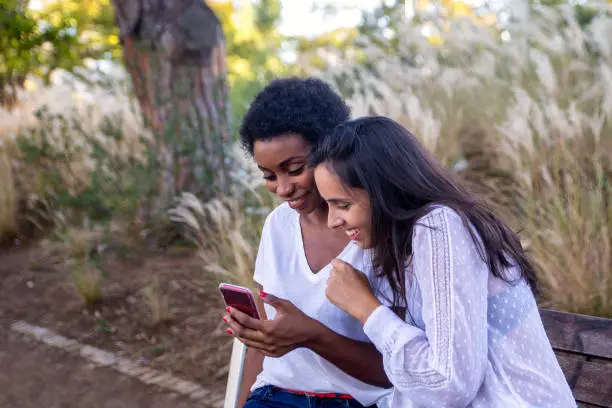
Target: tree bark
174	51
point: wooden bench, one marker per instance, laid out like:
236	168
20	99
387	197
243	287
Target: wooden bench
583	346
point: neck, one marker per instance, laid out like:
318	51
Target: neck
317	216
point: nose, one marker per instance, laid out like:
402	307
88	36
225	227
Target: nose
333	221
284	187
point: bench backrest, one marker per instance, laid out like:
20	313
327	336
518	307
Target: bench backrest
583	346
234	376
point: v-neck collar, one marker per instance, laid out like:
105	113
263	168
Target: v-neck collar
318	275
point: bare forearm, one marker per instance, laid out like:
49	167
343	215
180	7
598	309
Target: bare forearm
253	363
358	359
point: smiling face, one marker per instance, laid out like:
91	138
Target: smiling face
349	208
283	161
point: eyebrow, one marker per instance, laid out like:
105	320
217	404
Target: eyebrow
338	200
284	162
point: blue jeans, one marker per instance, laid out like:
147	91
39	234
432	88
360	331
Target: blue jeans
274	397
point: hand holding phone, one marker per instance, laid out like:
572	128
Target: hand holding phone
239	298
292	327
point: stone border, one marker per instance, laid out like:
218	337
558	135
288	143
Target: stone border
125	366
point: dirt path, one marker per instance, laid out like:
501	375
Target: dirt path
36	287
34	375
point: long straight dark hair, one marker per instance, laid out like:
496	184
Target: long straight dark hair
403	182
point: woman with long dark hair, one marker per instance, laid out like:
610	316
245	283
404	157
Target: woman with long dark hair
453	309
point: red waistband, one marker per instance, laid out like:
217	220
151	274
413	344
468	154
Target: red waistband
318	394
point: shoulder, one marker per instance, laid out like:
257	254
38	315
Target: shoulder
443	224
444	228
439	216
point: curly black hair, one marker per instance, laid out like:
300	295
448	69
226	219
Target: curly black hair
308	107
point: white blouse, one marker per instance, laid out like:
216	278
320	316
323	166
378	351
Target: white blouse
469	339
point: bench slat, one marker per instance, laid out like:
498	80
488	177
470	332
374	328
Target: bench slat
591	381
578	333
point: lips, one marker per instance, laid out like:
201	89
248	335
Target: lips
353	233
298	202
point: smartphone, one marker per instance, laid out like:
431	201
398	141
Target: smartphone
240	298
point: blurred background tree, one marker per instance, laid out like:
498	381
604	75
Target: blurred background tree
181	61
175	54
38	37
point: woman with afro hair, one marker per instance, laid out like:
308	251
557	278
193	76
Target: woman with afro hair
306	352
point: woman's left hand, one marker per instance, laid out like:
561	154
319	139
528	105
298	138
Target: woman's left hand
350	290
290	329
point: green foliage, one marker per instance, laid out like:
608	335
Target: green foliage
29	46
253	49
313	53
584	11
384	17
66	33
81	174
104	327
63	35
93	21
267	14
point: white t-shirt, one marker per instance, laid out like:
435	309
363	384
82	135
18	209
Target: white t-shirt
283	271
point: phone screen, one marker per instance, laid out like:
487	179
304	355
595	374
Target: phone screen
239	298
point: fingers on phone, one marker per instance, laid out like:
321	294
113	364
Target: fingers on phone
238	315
231	323
243	319
237	329
234	314
233	328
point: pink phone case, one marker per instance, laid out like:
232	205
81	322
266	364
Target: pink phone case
240	298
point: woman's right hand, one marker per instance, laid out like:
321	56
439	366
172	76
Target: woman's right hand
290	328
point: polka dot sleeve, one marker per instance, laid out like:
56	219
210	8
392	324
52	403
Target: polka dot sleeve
444	363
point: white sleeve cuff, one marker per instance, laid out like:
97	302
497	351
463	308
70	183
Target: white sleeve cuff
380	327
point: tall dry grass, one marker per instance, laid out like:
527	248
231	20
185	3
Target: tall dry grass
226	229
61	139
523	112
81	248
565	207
8	198
157	301
226	232
75	131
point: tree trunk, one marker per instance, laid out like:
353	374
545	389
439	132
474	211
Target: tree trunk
174	51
